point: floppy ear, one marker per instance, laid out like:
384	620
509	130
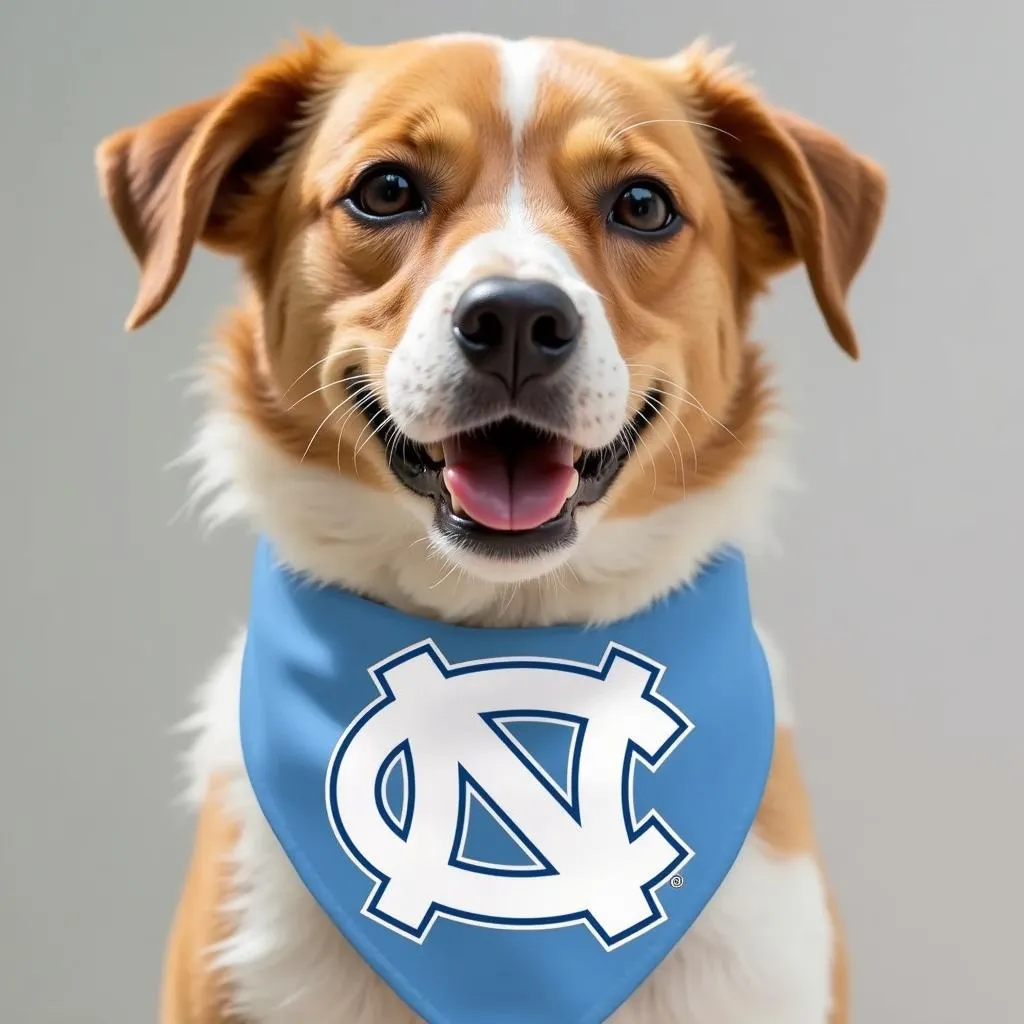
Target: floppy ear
200	172
802	194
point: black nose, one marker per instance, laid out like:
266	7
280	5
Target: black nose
516	330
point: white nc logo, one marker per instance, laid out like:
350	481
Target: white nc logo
449	734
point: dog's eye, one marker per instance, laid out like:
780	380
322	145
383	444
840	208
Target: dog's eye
384	194
644	208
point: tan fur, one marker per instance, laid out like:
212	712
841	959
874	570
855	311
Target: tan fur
256	172
192	991
784	817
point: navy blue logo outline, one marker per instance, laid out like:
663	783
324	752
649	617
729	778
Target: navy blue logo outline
634	754
401	756
569	798
469	787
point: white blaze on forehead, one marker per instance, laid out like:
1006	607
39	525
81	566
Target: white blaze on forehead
522	63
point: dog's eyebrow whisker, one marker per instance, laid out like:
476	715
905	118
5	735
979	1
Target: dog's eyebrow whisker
671	120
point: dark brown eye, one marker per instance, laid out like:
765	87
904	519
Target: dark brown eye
643	208
385	194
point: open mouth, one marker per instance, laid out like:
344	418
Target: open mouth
507	489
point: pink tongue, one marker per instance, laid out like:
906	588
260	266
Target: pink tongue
503	495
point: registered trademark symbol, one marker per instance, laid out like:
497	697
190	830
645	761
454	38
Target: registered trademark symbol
676	881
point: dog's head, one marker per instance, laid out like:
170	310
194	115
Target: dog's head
505	285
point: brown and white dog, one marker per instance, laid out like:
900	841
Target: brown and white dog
440	236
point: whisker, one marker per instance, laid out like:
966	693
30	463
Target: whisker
454	566
365	396
686	396
368	426
336	409
319	428
693	448
308	369
677	453
316	391
436	551
376	430
671	120
392	445
638	439
320	362
662	411
512	589
696	404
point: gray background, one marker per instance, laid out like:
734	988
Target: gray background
898	600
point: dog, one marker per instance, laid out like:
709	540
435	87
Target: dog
463	253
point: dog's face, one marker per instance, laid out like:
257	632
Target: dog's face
507	282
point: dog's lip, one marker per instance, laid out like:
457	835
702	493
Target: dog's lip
417	468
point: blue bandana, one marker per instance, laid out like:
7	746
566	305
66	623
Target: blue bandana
509	825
